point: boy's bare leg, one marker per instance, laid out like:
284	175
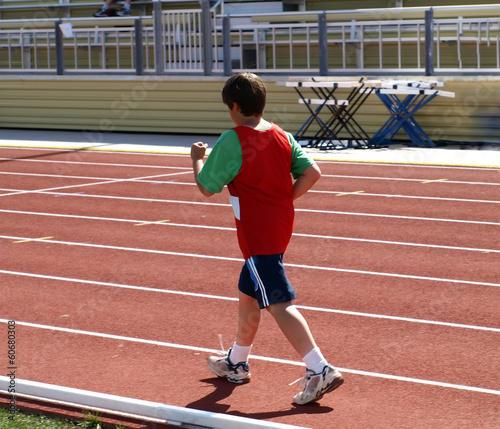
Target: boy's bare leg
294	326
248	320
321	377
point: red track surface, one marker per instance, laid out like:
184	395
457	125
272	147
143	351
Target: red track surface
365	247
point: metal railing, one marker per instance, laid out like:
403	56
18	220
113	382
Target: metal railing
426	46
201	41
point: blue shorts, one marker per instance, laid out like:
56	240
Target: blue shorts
263	278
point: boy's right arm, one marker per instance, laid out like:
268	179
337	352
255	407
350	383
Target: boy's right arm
197	154
306	180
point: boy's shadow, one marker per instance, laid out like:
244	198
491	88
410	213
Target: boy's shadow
223	390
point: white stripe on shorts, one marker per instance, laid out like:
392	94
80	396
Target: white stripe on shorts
257	279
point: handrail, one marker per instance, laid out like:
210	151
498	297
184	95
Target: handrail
76	22
179	41
99	3
475	11
64	5
332	15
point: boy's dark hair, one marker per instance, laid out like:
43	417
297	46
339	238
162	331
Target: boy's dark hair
248	91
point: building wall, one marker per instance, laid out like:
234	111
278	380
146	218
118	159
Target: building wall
192	105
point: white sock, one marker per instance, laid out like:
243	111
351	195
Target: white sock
239	354
126	6
105	7
315	361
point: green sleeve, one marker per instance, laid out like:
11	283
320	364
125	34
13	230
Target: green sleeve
301	161
223	163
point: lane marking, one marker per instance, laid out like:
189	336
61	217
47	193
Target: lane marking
335	212
152	223
402	163
435	180
416	197
107	164
388	216
221	228
185	168
180	151
362	193
124	150
403	179
240	260
35	191
65	176
235	299
262	358
337	193
69	194
33	239
344	193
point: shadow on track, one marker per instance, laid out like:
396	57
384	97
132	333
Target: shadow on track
223	390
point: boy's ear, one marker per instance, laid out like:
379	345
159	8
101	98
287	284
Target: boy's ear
236	108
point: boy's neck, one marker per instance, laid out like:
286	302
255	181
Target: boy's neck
255	122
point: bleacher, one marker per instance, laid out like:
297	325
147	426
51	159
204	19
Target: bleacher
17	11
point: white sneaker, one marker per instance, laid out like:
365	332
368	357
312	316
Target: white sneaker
124	12
316	385
222	367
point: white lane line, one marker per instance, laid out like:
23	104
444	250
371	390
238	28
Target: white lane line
388	216
367	194
334	212
415	197
35	191
226	258
358	193
113	197
403	179
110	179
124	149
234	299
221	228
263	358
119	285
129	152
104	164
402	164
341	176
397	243
398	318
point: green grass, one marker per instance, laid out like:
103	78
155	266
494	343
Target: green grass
34	421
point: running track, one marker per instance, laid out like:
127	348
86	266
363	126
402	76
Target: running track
121	277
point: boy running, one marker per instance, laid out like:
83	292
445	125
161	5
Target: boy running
256	160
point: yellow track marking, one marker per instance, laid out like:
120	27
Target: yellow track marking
152	223
33	239
437	180
349	193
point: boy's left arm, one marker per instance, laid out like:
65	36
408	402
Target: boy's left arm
197	154
306	180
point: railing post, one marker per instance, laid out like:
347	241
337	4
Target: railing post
429	42
206	31
59	49
226	45
158	32
139	64
323	44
